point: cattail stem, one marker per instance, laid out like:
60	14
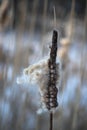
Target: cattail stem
51	121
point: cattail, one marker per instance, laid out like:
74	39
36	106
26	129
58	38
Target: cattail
50	96
46	74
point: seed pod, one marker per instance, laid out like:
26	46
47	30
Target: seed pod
46	73
52	90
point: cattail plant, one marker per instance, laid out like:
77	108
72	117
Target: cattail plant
46	73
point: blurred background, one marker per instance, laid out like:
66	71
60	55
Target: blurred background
25	34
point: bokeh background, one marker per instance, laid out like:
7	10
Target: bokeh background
25	34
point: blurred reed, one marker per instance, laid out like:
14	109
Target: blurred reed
82	65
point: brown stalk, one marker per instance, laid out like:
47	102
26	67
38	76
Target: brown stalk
51	121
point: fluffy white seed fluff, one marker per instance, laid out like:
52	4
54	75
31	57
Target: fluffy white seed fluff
38	74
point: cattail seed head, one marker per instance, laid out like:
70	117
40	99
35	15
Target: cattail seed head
46	74
38	73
